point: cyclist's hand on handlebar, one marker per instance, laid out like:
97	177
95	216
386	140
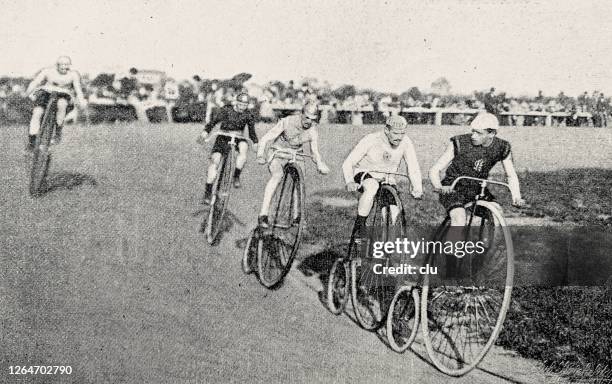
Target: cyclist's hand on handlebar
417	194
322	168
352	187
202	138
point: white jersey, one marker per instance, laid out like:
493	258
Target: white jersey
374	153
64	81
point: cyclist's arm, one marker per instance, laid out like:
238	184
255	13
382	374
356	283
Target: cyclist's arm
440	165
414	170
251	128
36	82
271	135
216	119
314	148
513	181
353	158
76	83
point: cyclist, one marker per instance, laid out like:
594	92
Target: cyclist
291	132
233	119
473	155
380	151
61	79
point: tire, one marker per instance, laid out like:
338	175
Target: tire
41	157
279	243
249	256
464	315
371	293
403	318
220	196
337	287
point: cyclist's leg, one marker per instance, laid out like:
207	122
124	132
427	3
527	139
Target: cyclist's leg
458	217
276	171
37	114
241	159
219	149
369	186
211	174
40	103
389	201
62	106
296	200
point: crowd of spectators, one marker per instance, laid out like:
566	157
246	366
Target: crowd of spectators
127	96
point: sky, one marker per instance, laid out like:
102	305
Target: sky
519	46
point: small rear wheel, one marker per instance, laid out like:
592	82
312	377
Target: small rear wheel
403	318
337	287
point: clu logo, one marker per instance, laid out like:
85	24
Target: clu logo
478	165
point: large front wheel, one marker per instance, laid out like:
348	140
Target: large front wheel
464	305
280	242
220	196
42	157
372	289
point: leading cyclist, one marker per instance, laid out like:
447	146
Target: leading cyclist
232	119
292	132
380	151
61	79
473	155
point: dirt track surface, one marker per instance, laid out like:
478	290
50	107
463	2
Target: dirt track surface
110	274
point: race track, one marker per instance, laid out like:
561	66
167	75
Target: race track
109	273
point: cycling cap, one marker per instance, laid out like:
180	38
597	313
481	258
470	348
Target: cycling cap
242	98
396	122
311	111
485	120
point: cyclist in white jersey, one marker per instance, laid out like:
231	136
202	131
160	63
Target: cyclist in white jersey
60	79
380	151
292	132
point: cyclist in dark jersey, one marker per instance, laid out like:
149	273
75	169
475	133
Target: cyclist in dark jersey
473	155
232	119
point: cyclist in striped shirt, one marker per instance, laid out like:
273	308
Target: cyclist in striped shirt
292	132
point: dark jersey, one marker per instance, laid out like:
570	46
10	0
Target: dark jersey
474	160
233	121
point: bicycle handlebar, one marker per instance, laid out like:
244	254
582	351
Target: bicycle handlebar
483	182
293	154
387	179
233	136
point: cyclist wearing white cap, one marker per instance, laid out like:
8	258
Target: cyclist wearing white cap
292	132
380	151
233	119
473	155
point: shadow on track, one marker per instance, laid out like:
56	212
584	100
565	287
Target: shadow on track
67	181
229	220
